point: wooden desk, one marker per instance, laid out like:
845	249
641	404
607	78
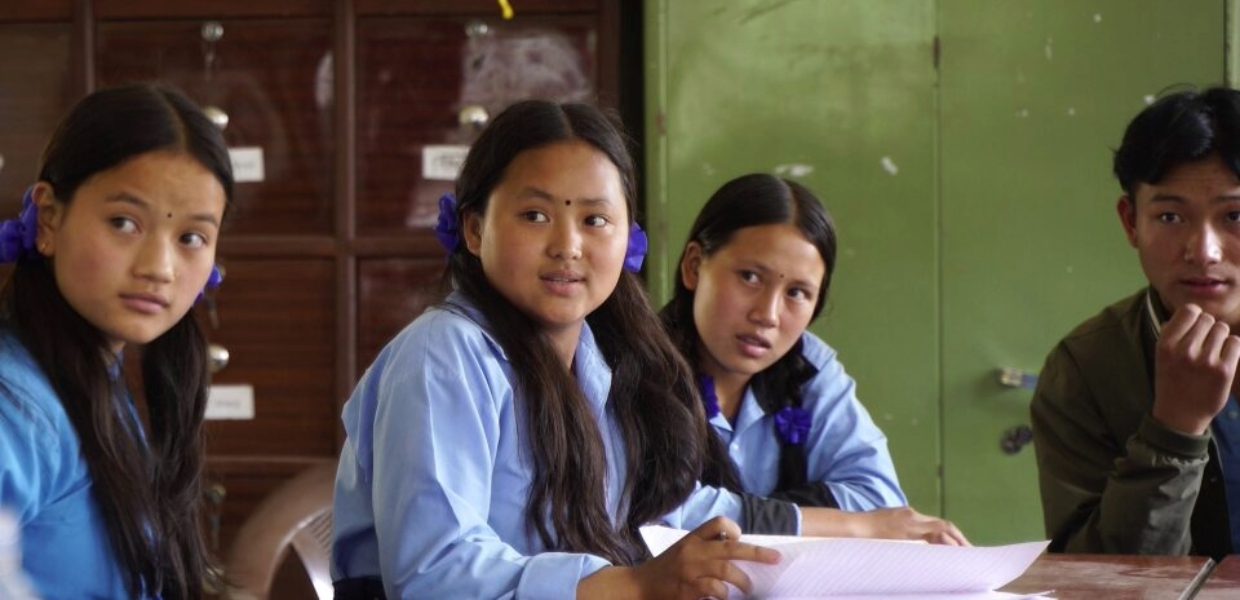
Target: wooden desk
1103	577
1224	581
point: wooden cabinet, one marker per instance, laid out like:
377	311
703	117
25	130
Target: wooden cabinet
329	250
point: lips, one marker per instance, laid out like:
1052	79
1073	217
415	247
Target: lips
753	346
145	303
1205	284
562	283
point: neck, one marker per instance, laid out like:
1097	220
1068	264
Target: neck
564	342
730	390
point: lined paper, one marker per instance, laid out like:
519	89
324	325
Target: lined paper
854	567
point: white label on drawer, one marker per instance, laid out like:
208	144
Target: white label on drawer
230	402
247	163
443	162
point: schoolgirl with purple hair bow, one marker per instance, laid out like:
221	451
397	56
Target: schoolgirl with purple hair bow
112	246
787	424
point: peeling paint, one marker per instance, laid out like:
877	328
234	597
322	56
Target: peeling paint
794	170
850	252
1023	113
1097	17
889	166
1049	49
1070	269
708	169
1071	111
1149	98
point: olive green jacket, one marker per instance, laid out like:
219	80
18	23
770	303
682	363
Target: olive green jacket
1113	479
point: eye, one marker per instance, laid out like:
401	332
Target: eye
597	220
194	240
124	224
798	293
1232	216
750	277
534	216
1169	218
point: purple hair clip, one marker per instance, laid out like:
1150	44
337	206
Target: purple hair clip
213	282
792	425
17	236
448	229
635	254
706	385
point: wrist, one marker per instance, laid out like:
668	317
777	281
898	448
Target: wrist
612	583
1182	424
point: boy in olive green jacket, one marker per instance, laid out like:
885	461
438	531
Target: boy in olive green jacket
1136	429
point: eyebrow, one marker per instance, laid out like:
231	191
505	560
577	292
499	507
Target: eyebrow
1174	199
541	194
132	200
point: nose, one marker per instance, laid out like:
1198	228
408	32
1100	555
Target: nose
155	261
1204	247
765	309
565	242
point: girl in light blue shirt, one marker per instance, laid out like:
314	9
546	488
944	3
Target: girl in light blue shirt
511	440
114	244
787	423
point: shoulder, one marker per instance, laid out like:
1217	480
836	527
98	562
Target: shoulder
1107	346
38	445
27	399
816	351
451	329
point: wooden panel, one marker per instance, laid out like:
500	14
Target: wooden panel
489	8
391	293
160	9
35	92
1112	577
273	79
277	322
414	77
36	10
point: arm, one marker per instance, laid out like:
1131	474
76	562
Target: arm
849	465
1105	495
436	436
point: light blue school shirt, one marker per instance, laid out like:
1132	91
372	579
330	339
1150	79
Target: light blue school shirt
435	472
845	449
46	483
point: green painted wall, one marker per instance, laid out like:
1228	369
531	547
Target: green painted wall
974	200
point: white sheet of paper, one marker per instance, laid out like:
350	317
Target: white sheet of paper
847	567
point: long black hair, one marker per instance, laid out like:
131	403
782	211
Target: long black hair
749	201
651	391
149	497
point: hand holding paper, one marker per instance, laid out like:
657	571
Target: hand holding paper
846	567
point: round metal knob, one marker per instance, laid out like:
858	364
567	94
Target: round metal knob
212	31
217	116
476	29
474	115
217	357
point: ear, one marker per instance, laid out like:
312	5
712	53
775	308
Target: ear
51	214
472	230
690	264
1126	208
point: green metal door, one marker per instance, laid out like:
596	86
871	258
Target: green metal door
1035	96
839	95
974	200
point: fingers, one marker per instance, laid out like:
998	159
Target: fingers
718	528
1180	322
723	571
